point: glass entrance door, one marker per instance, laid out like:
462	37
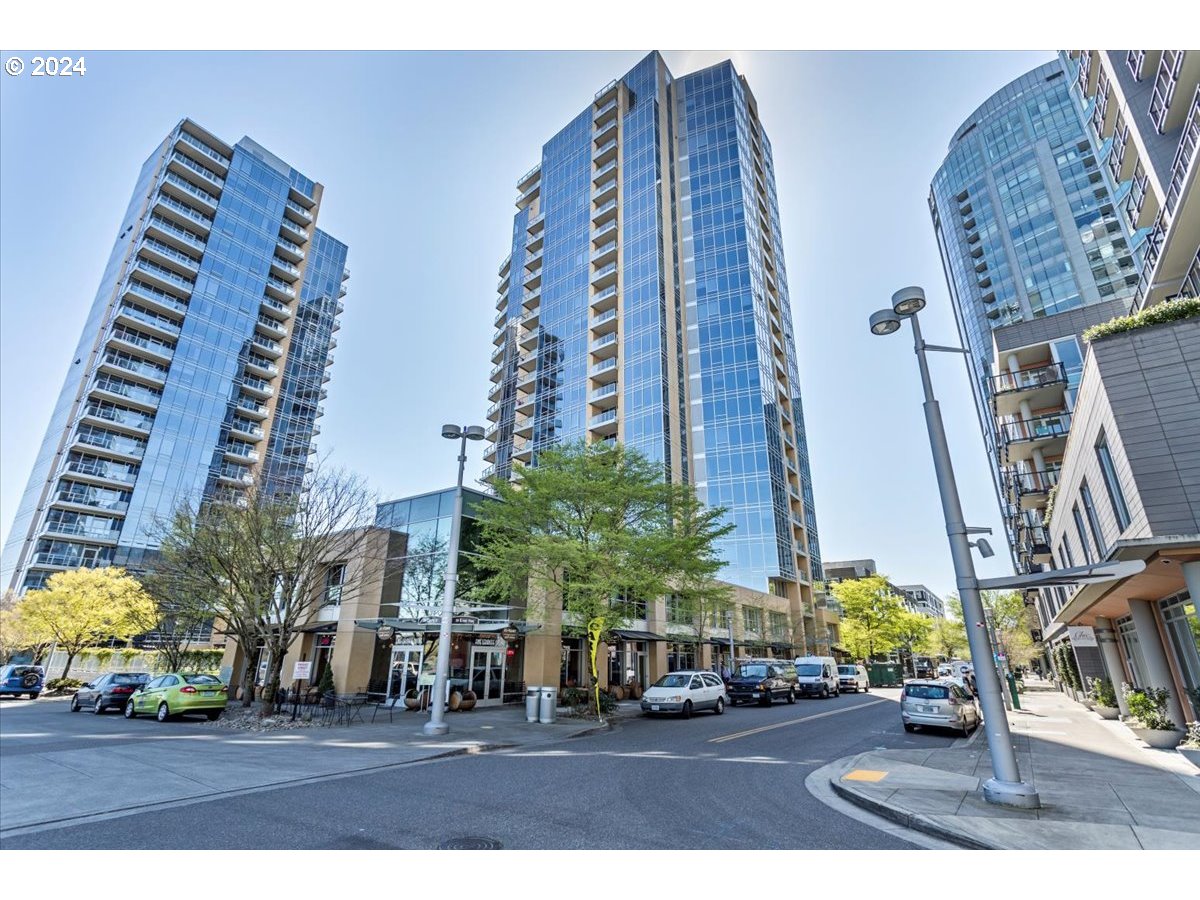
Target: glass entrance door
487	675
406	667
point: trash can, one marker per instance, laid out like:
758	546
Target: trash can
548	708
532	694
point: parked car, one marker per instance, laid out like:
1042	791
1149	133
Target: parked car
853	678
763	681
177	693
817	676
17	680
944	670
685	692
938	704
110	691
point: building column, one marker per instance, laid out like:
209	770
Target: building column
1155	654
1106	637
1191	577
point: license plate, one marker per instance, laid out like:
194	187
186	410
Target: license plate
207	693
653	707
754	696
927	709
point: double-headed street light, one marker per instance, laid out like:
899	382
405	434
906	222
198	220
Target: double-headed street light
437	723
1005	786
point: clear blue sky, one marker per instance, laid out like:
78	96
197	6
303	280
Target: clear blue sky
419	153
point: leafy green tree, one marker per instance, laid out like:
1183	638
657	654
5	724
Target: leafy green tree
870	615
948	638
1011	622
912	631
81	607
597	528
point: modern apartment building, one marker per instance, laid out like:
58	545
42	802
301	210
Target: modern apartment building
1034	250
924	601
1142	109
645	301
203	360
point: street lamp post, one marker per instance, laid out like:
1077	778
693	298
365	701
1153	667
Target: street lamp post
1005	787
437	706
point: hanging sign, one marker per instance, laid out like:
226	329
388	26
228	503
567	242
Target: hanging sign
385	632
509	633
1082	635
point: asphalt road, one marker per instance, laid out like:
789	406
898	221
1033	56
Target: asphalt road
728	782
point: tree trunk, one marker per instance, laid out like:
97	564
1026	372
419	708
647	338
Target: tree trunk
274	675
67	667
247	681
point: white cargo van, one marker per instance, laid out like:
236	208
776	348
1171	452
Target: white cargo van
817	676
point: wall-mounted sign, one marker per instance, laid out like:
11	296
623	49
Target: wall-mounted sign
485	640
1082	635
509	633
407	640
385	632
465	620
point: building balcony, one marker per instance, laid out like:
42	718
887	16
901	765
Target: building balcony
605	192
533	279
497	372
490	433
120	447
526	404
530	194
256	365
606	93
124	366
64	561
605	276
280	289
496	391
536	243
202	152
246	430
247	407
156	351
605	253
160	277
1030	490
604	323
604	372
1185	154
605	175
493	413
606	112
265	345
1041	387
1019	438
270	328
526	181
234	476
175	235
105	416
605	346
605	234
237	452
606	152
604	424
182	189
533	296
182	214
529	340
531	318
290	231
275	308
533	261
167	257
604	300
257	388
501	316
523	428
523	454
100	471
86	501
537	224
498	354
528	361
297	213
284	270
188	168
289	250
527	382
606	212
604	397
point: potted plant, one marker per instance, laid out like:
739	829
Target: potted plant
1148	709
1190	748
1104	698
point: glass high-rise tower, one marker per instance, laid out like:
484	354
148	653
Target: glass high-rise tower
645	301
1034	251
202	363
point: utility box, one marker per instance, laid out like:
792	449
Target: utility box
884	674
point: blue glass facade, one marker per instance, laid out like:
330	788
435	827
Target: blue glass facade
193	355
1025	222
645	301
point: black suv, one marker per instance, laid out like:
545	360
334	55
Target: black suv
763	681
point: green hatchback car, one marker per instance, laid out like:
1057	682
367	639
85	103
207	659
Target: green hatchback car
177	693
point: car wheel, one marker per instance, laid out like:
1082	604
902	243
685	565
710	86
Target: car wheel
75	704
163	712
791	697
98	707
824	692
130	712
33	696
733	701
866	689
909	728
213	714
720	707
687	709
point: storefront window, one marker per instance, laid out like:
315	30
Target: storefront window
681	656
1132	651
1183	629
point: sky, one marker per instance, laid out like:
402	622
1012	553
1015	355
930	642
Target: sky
419	153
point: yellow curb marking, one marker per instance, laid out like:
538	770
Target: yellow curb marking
864	775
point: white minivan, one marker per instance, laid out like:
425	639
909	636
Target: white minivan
817	676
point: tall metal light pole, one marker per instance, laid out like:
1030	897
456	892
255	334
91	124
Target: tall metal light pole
1005	788
437	706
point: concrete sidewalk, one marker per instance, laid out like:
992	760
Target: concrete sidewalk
1100	787
144	765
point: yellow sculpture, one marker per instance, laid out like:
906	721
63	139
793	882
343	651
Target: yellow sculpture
595	628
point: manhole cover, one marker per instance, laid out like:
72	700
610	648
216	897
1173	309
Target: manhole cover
471	843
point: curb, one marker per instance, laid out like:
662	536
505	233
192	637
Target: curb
915	821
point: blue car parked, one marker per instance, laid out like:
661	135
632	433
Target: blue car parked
17	680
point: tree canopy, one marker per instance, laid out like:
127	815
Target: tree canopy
871	615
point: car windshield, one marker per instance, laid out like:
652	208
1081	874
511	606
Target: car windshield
846	670
752	671
808	669
927	691
673	681
201	679
130	678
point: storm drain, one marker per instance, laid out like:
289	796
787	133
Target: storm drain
471	843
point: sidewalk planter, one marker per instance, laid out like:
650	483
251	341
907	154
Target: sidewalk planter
1107	712
1191	754
468	701
1158	738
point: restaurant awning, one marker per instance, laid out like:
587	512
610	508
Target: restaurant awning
627	635
319	628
